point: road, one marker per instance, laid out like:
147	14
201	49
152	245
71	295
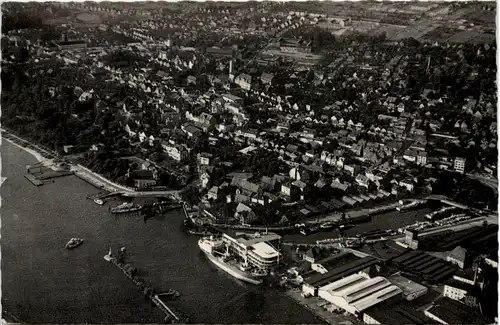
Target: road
491	182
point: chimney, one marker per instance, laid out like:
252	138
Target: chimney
231	67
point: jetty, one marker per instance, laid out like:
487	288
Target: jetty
35	181
130	271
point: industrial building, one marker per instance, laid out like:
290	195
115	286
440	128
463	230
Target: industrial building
358	292
448	311
419	265
400	312
312	284
327	264
411	289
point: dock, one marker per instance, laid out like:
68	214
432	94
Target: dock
35	181
148	291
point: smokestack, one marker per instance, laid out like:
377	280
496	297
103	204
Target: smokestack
231	67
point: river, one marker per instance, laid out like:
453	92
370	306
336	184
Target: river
42	282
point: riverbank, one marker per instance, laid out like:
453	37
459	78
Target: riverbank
80	171
45	283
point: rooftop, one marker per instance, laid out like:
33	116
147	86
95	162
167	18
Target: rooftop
338	273
454	312
397	313
265	250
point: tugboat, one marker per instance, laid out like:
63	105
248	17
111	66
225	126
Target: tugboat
74	242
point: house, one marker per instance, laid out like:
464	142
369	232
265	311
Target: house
176	152
422	158
191	80
204	158
244	214
206	121
410	155
291	45
204	178
408	184
362	180
190	130
244	81
213	193
267	78
143	179
459	164
352	170
229	98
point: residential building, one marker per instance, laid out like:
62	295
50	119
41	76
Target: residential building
244	81
460	291
459	165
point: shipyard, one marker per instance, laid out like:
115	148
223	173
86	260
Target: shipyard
254	162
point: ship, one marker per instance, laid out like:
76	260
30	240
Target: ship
126	207
217	253
442	213
404	207
309	230
327	225
74	242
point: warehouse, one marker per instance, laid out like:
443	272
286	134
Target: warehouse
358	292
395	313
313	283
449	311
423	266
411	289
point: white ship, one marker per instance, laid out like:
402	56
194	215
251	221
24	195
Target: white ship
217	253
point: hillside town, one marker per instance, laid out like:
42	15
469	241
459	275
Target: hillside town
303	121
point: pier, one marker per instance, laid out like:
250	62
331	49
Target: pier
35	181
129	271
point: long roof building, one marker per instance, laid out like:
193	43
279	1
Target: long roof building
358	292
424	266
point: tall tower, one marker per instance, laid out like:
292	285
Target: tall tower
231	67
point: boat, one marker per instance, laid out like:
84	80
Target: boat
411	205
327	225
126	207
74	242
108	257
99	201
441	213
213	249
204	233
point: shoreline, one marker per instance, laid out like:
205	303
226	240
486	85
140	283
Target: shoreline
79	171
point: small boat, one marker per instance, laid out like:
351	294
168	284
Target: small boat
126	207
108	256
327	225
259	272
99	201
74	242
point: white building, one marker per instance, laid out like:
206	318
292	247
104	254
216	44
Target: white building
256	250
358	292
459	164
244	81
